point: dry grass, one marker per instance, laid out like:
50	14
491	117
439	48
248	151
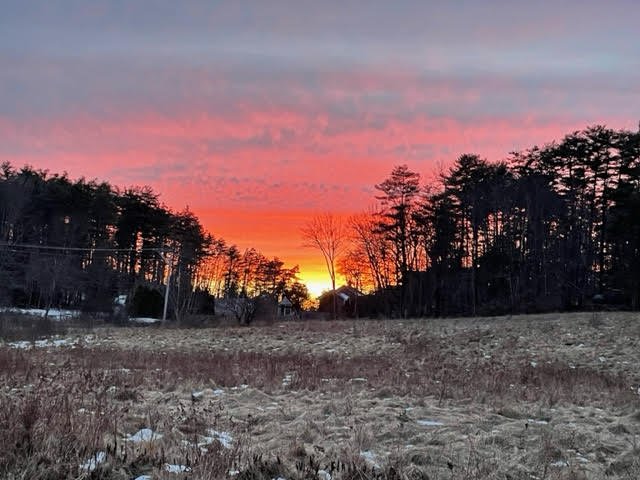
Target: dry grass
544	397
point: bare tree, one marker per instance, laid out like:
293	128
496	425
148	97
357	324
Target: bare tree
326	233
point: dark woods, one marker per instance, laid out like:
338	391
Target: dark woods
79	245
553	228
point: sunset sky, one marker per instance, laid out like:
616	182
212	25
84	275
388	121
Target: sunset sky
258	114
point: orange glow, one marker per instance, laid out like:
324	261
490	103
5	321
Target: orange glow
316	283
254	176
274	234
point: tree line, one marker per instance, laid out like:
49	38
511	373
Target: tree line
550	228
79	244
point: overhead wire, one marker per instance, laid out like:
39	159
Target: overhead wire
85	249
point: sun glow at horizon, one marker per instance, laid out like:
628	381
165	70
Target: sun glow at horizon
316	285
316	280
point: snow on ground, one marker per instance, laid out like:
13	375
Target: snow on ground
52	342
288	378
144	320
144	435
54	313
172	468
195	396
224	438
430	423
324	475
92	463
538	422
371	458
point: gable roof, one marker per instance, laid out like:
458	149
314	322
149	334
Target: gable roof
345	292
285	302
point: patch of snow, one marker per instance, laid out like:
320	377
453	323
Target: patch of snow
359	379
54	313
171	468
144	435
559	464
602	359
144	320
197	395
370	457
430	423
224	438
538	422
288	378
91	464
324	475
533	364
233	473
218	391
143	477
48	342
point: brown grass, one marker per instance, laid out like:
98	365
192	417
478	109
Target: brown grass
529	397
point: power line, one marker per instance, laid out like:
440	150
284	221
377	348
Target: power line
85	249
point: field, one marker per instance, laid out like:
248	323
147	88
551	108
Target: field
531	397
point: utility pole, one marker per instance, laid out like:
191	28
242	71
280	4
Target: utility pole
166	296
164	254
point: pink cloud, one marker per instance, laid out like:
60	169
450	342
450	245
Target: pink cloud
254	166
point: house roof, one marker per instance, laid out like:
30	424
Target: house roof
285	302
345	292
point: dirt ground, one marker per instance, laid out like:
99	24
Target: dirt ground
530	397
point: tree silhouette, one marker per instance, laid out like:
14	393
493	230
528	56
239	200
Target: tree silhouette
325	232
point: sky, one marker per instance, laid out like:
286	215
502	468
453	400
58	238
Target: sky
259	114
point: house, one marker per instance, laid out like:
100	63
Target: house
285	308
347	299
